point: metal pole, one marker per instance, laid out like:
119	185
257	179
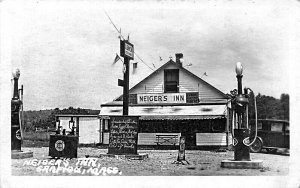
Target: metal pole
247	118
239	80
16	90
126	87
240	92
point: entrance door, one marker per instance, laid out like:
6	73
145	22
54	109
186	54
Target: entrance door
189	133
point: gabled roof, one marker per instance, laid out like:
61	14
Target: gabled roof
156	71
180	67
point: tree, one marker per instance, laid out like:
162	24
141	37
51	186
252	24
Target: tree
285	105
269	107
251	109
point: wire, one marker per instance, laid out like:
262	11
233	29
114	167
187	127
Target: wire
255	109
21	128
143	62
114	24
124	39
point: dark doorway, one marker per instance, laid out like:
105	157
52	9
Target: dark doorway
187	130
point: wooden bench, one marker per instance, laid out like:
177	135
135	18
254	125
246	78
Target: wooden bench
166	139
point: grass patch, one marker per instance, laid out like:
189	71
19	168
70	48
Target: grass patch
35	144
36	139
37	136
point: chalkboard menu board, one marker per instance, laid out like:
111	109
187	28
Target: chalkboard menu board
123	135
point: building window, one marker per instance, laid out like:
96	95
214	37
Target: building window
171	80
287	128
277	127
105	122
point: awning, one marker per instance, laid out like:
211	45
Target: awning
168	112
182	117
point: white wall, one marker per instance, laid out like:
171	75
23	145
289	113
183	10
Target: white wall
152	85
211	139
88	128
187	83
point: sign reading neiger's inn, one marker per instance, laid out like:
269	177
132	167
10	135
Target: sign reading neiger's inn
161	98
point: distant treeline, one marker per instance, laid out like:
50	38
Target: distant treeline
43	119
269	107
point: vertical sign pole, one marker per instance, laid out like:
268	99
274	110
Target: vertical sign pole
126	51
126	87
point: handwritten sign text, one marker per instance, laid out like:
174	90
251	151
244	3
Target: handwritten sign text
123	135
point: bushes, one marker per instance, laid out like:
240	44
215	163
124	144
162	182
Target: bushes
36	136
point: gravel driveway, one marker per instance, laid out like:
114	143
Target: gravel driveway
159	163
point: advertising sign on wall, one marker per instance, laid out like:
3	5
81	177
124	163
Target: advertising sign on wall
154	98
126	49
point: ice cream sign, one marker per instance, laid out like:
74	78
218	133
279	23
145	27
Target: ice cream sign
161	98
126	49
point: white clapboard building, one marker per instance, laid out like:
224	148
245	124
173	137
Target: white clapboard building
173	102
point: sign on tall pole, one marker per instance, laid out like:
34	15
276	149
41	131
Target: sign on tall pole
123	135
126	51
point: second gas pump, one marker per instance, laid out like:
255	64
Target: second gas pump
240	127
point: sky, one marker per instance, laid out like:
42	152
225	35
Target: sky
65	49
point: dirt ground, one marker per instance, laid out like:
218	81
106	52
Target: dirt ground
159	163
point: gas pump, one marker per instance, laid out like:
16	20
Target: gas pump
16	129
58	130
72	126
16	103
241	133
240	126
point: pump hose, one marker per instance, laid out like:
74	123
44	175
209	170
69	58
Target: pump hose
20	122
232	124
255	109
